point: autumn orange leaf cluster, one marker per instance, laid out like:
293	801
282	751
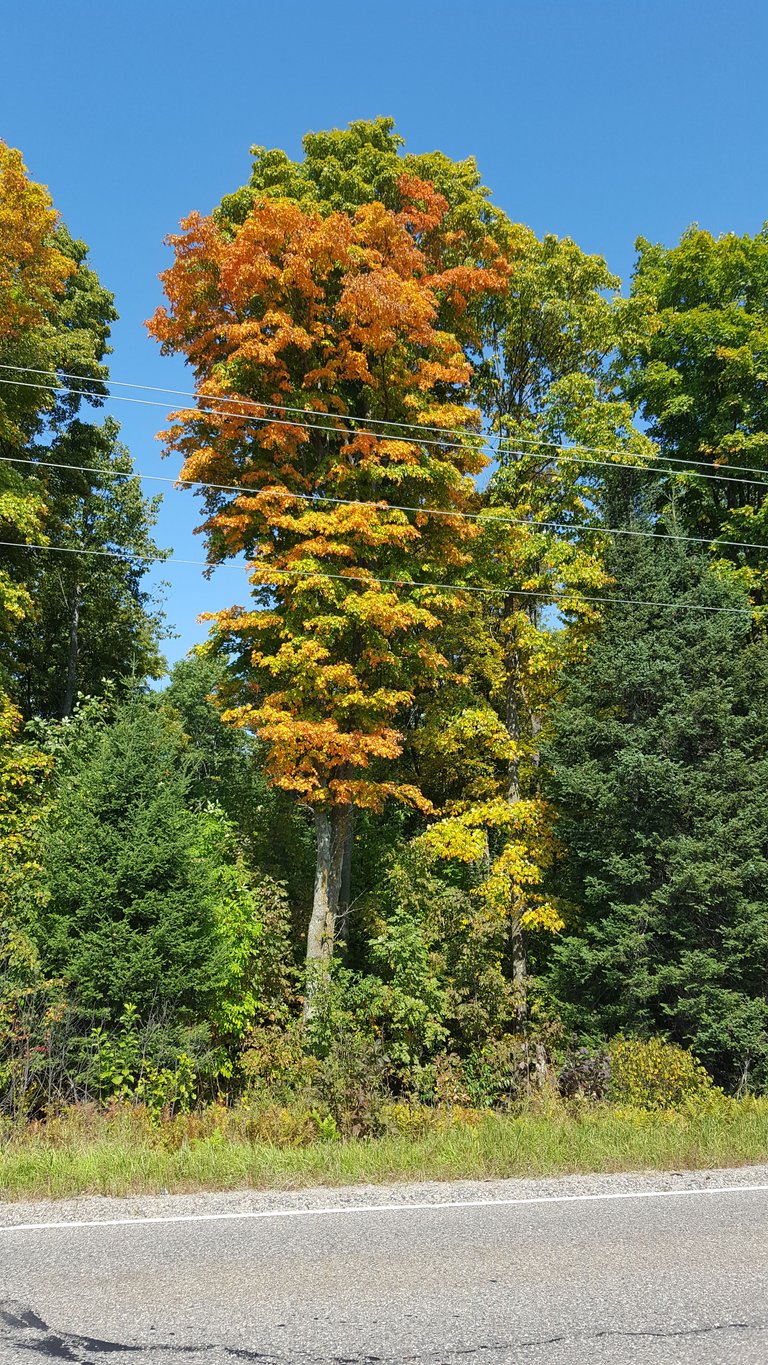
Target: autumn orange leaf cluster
343	317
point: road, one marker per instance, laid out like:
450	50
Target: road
551	1280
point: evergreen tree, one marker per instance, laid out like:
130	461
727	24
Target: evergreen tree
658	767
127	905
229	772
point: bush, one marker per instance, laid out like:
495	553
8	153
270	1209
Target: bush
146	1062
352	1084
506	1069
653	1074
275	1064
585	1074
412	1119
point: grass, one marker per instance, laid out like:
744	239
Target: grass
123	1154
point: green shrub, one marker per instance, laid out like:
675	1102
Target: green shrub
274	1062
252	920
499	1072
653	1074
167	1069
125	902
352	1083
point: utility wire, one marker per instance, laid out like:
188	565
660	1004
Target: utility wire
370	580
252	402
316	498
241	416
358	421
551	450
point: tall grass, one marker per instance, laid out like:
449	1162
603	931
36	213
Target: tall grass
123	1153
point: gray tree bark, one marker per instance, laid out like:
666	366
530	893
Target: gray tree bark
345	891
331	831
516	708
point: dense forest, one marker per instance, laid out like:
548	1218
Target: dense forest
466	790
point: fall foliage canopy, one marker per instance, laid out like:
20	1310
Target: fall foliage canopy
336	317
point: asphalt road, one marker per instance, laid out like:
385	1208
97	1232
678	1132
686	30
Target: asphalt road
678	1277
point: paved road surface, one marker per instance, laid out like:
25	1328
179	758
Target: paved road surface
678	1277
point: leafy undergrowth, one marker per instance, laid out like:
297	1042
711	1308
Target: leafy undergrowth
85	1151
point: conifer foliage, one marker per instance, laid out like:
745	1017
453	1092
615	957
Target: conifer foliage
658	768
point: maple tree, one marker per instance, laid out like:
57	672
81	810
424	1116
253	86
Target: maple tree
344	168
335	316
696	371
545	385
33	275
54	313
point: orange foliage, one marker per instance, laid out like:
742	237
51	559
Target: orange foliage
342	317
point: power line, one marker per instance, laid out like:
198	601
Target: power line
358	421
370	580
242	416
315	498
252	402
550	449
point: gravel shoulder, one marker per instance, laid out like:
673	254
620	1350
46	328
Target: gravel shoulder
98	1208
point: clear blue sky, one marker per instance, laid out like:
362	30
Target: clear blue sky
597	119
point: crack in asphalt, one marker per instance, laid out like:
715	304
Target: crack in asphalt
643	1332
577	1335
71	1347
79	1350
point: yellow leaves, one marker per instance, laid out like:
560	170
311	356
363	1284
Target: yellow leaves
32	269
22	771
33	278
512	874
453	839
544	916
465	734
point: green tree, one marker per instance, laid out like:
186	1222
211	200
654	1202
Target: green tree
656	766
125	905
93	620
77	617
697	371
55	314
545	385
229	772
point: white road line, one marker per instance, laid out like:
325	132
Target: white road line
384	1208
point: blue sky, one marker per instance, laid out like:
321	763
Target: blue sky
597	119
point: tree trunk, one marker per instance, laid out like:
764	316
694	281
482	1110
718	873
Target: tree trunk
516	708
519	968
345	891
513	729
331	827
70	686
